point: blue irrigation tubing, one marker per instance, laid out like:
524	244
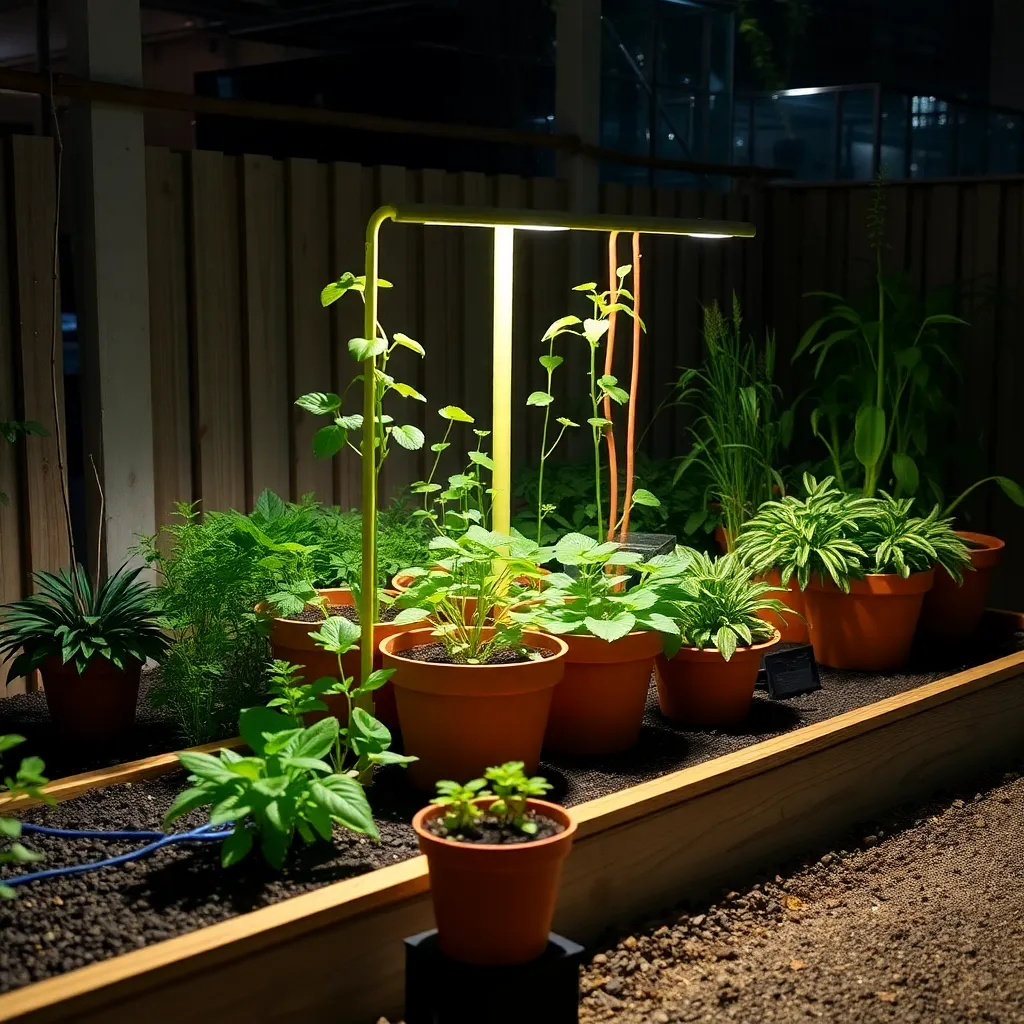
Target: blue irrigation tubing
205	833
77	833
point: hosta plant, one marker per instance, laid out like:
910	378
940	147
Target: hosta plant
813	537
26	782
473	576
71	619
599	602
721	607
282	789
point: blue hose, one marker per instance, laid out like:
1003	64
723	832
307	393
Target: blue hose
76	833
204	833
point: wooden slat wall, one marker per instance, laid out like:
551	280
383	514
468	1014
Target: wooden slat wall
241	246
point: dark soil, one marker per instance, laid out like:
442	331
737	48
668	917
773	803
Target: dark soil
494	833
437	654
63	923
387	613
916	921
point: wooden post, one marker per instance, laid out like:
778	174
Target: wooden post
113	280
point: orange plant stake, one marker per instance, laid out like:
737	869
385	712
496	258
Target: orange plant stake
609	357
633	382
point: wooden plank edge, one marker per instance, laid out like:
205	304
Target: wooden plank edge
348	899
116	775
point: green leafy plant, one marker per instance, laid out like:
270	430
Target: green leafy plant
283	789
598	602
27	781
510	788
737	435
71	620
721	606
472	576
900	542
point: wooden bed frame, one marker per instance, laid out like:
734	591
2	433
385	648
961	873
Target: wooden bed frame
336	953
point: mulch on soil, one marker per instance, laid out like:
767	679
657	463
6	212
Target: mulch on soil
917	919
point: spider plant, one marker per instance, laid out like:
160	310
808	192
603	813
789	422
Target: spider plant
721	606
70	619
900	542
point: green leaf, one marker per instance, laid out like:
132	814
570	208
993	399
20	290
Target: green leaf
566	422
337	635
206	766
9	741
408	437
540	398
566	321
551	363
407	391
595	330
482	459
869	434
320	403
256	724
611	629
235	847
315	741
588	286
599	421
352	422
644	497
453	412
904	468
406	342
344	799
1011	489
328	441
362	349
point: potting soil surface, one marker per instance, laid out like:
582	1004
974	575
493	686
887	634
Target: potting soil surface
63	923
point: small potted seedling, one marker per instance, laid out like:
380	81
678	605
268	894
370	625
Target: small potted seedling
473	688
707	673
495	852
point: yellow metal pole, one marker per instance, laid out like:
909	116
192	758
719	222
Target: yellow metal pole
501	414
368	596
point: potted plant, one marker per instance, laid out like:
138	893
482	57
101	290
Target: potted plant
494	839
613	630
707	672
472	689
864	565
90	642
952	611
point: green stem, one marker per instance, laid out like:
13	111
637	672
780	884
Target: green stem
596	432
543	446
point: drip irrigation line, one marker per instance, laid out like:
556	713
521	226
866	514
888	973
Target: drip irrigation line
76	833
204	833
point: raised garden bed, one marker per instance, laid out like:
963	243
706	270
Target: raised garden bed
674	817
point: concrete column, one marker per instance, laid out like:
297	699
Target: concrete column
578	94
108	171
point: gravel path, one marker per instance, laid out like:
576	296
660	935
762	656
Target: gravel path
920	919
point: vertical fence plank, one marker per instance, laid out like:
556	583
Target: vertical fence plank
859	254
309	328
34	184
218	414
12	581
168	331
265	326
351	206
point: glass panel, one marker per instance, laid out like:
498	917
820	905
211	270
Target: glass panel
742	153
931	134
795	133
894	156
1004	142
971	140
857	136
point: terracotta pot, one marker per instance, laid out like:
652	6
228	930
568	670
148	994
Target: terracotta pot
792	629
702	688
97	705
493	905
292	641
951	613
460	720
598	707
872	627
721	539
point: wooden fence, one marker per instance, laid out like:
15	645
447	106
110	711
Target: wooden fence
239	248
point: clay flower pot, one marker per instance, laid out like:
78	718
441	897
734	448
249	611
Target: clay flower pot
951	613
461	719
792	630
598	707
494	904
97	705
293	641
872	627
702	688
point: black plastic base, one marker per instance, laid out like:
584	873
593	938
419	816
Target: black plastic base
439	990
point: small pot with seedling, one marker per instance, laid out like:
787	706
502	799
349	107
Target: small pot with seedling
707	673
864	565
472	690
495	854
613	631
89	642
